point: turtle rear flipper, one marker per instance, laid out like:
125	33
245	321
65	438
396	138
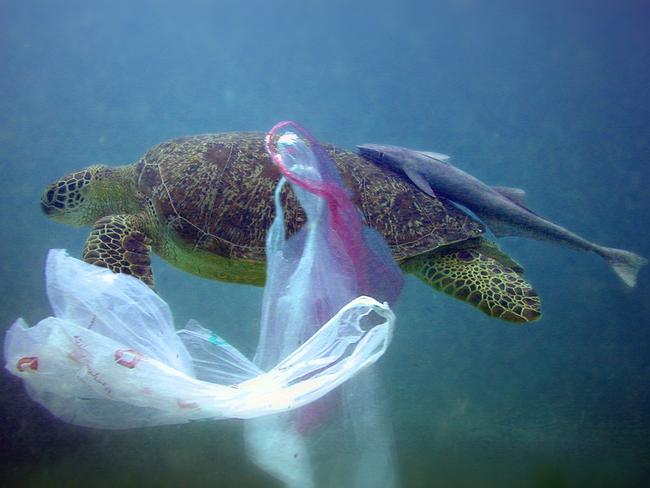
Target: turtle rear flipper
480	280
116	243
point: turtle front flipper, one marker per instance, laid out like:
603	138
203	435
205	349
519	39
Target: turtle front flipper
479	279
117	243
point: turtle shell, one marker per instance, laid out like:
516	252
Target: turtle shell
215	193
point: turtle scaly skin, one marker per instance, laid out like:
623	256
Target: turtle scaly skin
481	281
204	203
116	243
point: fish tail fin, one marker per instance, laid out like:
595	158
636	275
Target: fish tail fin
625	264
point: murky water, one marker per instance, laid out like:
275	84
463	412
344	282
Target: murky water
552	97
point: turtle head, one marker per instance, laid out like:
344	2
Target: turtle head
82	197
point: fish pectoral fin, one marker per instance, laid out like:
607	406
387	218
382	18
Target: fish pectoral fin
419	181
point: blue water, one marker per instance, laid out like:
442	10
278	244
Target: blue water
550	96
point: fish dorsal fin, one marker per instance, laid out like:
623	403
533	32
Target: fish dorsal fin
419	181
517	195
443	158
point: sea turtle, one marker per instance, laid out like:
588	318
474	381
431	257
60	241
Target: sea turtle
204	203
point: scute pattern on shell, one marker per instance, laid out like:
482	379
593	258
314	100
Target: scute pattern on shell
215	191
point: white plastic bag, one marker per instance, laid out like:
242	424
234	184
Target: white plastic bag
342	439
110	356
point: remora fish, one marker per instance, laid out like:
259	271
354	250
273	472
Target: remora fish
502	209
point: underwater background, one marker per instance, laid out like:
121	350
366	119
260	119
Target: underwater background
550	96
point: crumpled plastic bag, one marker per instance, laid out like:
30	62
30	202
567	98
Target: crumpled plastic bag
338	258
111	358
